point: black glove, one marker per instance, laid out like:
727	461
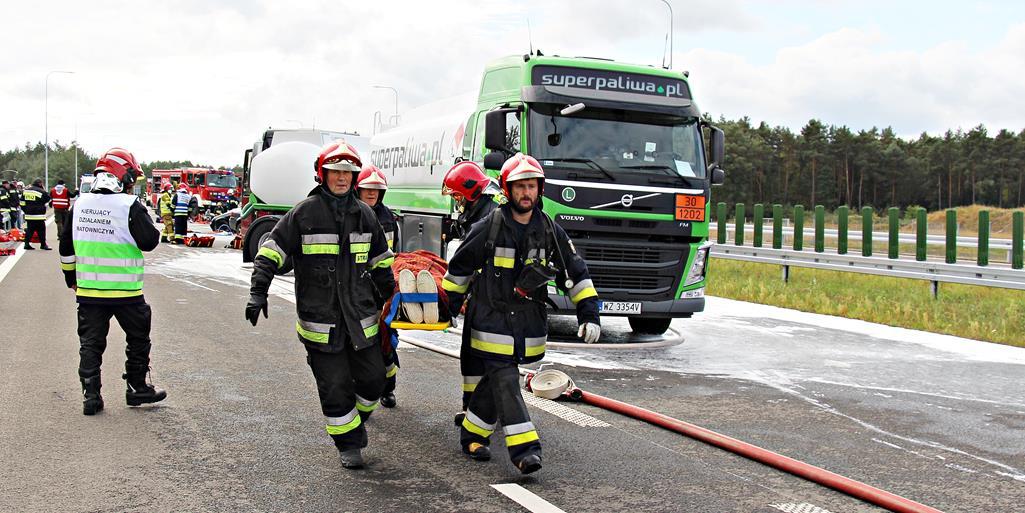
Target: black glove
256	303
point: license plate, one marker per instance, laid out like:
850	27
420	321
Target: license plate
620	307
690	208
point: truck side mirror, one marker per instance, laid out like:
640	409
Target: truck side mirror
494	129
718	176
717	143
494	160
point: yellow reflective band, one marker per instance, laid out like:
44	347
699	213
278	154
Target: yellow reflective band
469	387
505	262
344	428
480	345
107	293
320	249
367	408
521	438
362	247
391	244
370	331
584	294
475	429
272	255
531	260
67	267
393	370
452	287
387	262
312	336
534	350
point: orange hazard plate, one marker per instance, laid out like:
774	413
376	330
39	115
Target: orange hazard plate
690	208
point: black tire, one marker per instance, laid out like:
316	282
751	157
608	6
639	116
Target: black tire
649	325
256	235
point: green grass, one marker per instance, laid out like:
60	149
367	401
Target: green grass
983	313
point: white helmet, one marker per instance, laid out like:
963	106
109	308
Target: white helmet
107	181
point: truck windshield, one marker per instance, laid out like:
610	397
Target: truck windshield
619	141
214	180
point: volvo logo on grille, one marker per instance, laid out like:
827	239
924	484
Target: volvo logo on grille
627	200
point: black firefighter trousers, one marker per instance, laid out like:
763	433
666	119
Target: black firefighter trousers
496	399
181	228
349	384
94	323
35	227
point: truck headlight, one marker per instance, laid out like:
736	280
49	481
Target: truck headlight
697	268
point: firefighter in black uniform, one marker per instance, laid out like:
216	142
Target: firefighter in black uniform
342	278
371	186
6	219
33	203
518	249
473	193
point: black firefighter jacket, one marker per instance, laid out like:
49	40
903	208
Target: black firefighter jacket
501	324
342	270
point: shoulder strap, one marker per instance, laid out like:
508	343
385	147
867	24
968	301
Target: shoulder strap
494	226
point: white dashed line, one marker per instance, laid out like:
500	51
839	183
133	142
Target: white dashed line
803	507
525	498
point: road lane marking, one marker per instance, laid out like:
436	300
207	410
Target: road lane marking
525	498
563	412
18	252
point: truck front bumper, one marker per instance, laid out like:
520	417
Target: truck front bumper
672	308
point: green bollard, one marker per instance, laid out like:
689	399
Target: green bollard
894	242
798	227
738	234
820	228
951	236
921	242
841	230
777	226
759	220
983	248
1017	229
720	217
866	231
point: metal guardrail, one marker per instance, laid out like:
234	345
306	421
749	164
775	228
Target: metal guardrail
904	237
933	271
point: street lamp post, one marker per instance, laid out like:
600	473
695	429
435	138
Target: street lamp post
46	126
396	116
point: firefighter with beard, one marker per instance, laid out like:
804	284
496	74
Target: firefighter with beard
473	193
518	250
342	277
371	186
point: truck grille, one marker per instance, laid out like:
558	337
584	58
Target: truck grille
648	284
621	254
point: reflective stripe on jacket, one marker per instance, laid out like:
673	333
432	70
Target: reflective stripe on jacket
33	203
181	203
60	197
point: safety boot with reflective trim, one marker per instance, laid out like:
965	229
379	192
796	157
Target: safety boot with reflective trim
140	391
529	464
351	459
477	451
92	401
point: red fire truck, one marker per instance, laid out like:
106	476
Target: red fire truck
213	188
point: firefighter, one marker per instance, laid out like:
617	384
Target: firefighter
165	205
101	256
6	220
16	201
473	193
371	185
181	213
518	249
33	203
342	277
60	198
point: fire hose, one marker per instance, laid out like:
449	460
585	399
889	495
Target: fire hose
554	384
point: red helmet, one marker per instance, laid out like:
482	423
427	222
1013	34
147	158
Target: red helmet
338	155
371	178
167	187
521	167
466	179
120	163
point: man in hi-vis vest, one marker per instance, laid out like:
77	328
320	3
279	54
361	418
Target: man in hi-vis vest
101	256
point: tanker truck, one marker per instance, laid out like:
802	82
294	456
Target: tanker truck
628	174
277	173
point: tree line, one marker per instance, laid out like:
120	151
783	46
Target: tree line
27	163
835	165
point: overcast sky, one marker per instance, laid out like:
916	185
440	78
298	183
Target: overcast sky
201	79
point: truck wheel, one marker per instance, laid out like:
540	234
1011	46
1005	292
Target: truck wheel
649	325
256	237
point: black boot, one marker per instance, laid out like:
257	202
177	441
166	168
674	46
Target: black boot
529	464
388	400
92	401
351	459
139	391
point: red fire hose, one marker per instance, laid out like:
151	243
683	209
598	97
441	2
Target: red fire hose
812	473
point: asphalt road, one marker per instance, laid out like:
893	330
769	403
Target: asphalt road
937	420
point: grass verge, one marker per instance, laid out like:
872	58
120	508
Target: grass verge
983	313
